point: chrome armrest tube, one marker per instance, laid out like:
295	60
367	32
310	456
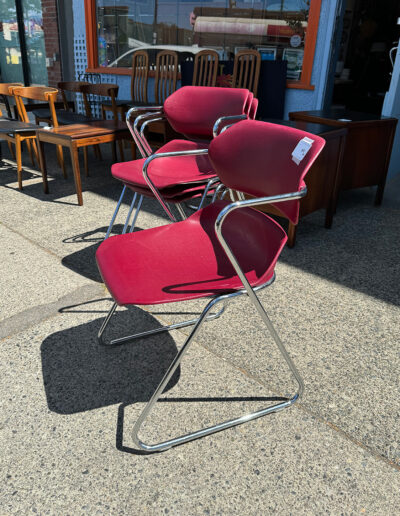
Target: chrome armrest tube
222	119
143	138
150	112
243	204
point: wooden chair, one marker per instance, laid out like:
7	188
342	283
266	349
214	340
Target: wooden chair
6	95
67	114
246	70
166	75
103	90
43	94
205	68
139	82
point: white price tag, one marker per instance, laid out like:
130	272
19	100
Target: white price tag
301	149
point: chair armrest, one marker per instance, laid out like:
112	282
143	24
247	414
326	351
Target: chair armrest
142	144
242	204
231	118
133	111
272	199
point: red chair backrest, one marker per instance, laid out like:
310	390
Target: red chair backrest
256	158
193	110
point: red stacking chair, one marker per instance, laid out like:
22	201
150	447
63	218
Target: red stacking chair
221	251
197	112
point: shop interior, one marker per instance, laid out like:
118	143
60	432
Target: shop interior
371	28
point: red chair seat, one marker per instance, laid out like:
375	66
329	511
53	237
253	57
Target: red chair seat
185	260
167	173
174	195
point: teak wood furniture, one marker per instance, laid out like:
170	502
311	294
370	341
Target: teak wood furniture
246	70
323	178
139	82
76	136
43	94
16	132
205	68
368	145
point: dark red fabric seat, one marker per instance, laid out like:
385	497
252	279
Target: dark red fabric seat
169	175
187	261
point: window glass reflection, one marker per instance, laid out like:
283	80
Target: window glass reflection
277	29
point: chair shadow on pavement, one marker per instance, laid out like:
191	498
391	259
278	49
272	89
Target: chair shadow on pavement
81	375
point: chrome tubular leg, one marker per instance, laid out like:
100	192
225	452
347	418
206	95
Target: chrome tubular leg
226	424
115	212
217	191
261	310
181	211
136	214
128	217
206	190
105	324
141	335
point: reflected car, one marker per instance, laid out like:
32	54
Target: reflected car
185	53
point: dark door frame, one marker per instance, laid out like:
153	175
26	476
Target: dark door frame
22	41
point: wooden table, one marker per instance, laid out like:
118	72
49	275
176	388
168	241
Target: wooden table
368	145
323	178
79	135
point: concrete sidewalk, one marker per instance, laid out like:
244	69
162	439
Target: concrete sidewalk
67	405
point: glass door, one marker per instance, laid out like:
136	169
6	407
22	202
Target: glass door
11	69
34	40
22	50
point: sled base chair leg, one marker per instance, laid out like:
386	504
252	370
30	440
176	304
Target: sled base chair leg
132	206
197	323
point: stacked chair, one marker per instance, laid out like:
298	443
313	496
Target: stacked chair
223	251
181	169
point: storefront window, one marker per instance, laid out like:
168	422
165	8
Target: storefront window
278	29
14	55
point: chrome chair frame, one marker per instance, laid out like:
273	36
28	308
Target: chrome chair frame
149	115
197	323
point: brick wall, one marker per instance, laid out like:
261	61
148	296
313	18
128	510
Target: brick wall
51	40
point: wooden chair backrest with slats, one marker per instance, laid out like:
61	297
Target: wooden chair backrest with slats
71	86
42	93
140	76
246	70
5	92
166	75
205	68
102	90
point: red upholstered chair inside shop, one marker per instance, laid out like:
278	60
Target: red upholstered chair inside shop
222	251
172	174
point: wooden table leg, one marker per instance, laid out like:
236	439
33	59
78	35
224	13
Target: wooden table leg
332	204
77	174
114	151
42	164
379	193
19	159
292	230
